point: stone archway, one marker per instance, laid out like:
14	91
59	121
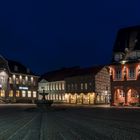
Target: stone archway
132	96
119	97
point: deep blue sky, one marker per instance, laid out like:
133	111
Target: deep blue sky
47	35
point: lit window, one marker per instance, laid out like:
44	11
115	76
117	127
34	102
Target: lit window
56	96
47	87
81	85
23	81
118	74
56	86
29	93
86	86
2	93
23	93
34	94
59	86
17	93
32	79
132	73
11	93
17	80
53	86
14	77
10	80
63	86
53	96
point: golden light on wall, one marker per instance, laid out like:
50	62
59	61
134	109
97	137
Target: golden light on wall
32	79
139	69
110	71
26	78
20	77
124	70
14	76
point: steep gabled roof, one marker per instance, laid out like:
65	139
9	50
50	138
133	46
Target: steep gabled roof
20	67
86	71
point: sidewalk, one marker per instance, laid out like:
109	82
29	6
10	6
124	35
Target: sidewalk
95	106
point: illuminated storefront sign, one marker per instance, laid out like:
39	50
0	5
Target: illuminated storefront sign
23	88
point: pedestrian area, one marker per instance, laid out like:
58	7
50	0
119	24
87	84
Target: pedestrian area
65	123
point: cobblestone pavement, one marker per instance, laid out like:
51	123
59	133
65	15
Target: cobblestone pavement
26	122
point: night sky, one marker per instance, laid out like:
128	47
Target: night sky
47	35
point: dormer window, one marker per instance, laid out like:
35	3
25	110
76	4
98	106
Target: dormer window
28	70
138	54
15	68
133	55
118	57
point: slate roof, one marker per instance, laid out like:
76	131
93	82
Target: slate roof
86	71
61	74
20	67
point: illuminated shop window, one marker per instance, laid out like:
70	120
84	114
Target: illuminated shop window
34	94
63	97
26	78
17	93
47	87
11	93
23	93
2	93
29	93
